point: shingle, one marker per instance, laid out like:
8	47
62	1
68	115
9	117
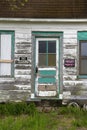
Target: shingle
46	9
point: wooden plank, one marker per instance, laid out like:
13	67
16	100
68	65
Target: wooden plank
47	72
47	88
46	80
6	61
47	93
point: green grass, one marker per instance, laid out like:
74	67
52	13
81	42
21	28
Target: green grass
22	116
38	121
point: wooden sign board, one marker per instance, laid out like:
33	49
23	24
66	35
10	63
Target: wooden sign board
69	62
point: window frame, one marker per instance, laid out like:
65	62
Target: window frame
12	33
81	75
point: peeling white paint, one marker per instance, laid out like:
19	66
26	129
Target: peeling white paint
69	78
23	87
75	82
8	80
32	95
20	91
47	93
23	76
22	72
60	96
66	94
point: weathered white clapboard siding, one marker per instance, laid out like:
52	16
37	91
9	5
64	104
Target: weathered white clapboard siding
19	87
73	87
23	72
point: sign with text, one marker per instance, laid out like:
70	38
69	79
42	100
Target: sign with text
69	62
23	60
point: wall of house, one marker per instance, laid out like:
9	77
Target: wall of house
19	87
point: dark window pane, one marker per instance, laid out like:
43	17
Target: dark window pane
51	46
42	46
51	59
42	59
83	49
83	65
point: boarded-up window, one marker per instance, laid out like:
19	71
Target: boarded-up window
6	54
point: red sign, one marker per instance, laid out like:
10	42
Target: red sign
69	62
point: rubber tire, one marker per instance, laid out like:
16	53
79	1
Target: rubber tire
73	104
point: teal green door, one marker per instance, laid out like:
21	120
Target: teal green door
47	59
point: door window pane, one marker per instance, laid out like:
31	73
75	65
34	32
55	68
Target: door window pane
51	59
42	60
47	53
42	47
84	49
51	46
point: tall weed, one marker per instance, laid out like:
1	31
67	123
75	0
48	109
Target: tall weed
17	108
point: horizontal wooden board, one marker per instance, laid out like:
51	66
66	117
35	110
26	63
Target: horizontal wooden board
6	61
47	80
47	88
47	72
47	93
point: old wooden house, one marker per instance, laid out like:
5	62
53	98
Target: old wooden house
43	50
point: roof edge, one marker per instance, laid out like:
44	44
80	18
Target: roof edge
41	20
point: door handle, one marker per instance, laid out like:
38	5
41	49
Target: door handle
36	69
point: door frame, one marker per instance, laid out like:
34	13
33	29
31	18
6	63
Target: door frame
46	68
41	34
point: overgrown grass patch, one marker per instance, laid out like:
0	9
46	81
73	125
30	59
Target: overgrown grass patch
75	117
17	108
25	122
23	116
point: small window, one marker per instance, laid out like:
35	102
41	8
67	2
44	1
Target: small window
6	54
83	57
47	53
